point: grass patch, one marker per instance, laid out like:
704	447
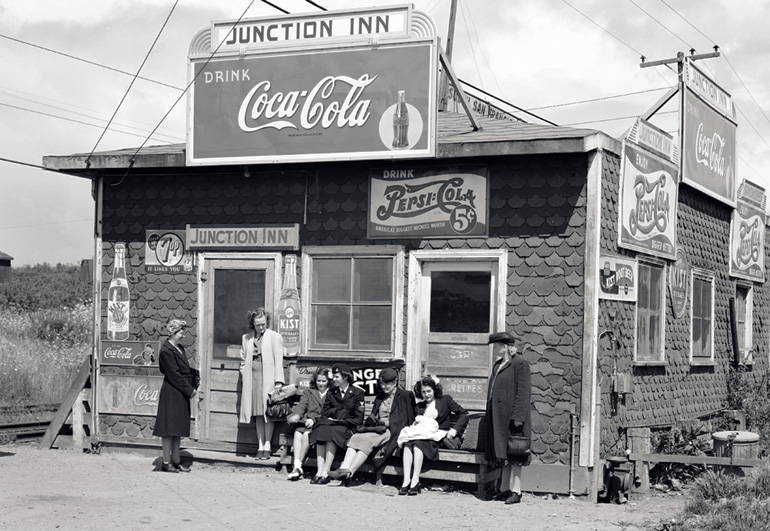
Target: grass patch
723	502
40	353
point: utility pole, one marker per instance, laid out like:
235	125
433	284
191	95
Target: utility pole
449	44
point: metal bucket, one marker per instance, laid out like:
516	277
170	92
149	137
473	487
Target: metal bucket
744	445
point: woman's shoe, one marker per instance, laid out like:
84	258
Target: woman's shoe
340	473
414	491
501	495
515	497
295	475
179	467
166	467
403	490
325	480
266	454
315	480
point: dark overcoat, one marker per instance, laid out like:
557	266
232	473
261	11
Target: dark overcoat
173	418
347	411
508	398
401	415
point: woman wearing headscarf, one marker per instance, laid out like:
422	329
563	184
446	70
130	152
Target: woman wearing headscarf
173	418
343	412
508	413
262	372
393	409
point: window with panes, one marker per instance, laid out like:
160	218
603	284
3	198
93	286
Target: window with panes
352	304
650	313
702	323
743	317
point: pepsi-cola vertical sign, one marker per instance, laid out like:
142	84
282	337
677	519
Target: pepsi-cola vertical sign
747	234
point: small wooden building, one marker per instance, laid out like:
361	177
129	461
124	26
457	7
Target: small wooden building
5	267
412	263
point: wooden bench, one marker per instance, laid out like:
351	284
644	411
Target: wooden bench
459	466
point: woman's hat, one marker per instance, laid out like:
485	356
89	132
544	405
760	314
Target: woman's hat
343	368
175	325
502	337
389	375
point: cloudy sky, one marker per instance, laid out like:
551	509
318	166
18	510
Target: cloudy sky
573	62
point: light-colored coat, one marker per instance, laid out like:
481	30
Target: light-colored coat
272	369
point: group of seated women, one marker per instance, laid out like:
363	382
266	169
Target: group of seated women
330	415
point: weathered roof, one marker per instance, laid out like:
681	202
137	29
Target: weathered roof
455	138
4	256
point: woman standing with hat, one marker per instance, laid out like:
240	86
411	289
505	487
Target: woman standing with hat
393	409
508	413
342	413
173	418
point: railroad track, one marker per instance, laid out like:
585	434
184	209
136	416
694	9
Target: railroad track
23	431
28	430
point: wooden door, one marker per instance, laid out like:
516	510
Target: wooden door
459	300
232	287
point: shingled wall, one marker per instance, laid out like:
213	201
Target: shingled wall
537	211
664	395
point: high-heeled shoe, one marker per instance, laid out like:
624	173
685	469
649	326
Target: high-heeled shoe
414	491
340	473
403	490
179	467
166	467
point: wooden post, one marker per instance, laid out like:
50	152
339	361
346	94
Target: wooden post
66	406
597	475
639	443
449	45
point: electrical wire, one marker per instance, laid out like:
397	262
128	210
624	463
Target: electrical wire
592	100
617	119
662	25
282	10
210	57
147	56
316	5
79	122
481	50
94	63
90	220
507	103
470	42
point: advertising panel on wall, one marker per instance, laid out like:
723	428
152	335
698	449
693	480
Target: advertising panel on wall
709	138
617	278
678	283
243	238
129	395
164	252
435	203
134	353
747	234
648	199
345	103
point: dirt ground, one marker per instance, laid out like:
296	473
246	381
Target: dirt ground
64	490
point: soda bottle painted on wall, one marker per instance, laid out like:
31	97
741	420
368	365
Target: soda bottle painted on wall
401	123
118	298
289	309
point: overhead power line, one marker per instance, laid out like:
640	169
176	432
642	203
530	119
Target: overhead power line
314	4
507	102
94	63
125	94
90	220
78	121
661	24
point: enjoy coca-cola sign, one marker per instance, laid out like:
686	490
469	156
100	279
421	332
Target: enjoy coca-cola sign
708	149
326	105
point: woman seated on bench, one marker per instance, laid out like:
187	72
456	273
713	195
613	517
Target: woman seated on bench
393	409
304	415
342	413
424	443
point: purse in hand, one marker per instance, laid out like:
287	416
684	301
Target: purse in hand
518	446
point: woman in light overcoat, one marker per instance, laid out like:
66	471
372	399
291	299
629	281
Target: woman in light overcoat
262	373
508	412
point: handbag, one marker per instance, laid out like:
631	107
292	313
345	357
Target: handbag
518	446
195	378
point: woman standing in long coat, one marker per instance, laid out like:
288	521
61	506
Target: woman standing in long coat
508	412
173	419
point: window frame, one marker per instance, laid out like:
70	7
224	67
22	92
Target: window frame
748	325
396	253
703	275
662	266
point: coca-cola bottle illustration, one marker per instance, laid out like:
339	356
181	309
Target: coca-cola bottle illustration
289	310
401	123
118	298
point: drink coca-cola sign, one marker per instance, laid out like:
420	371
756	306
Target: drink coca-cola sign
648	199
708	149
747	234
330	104
135	353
